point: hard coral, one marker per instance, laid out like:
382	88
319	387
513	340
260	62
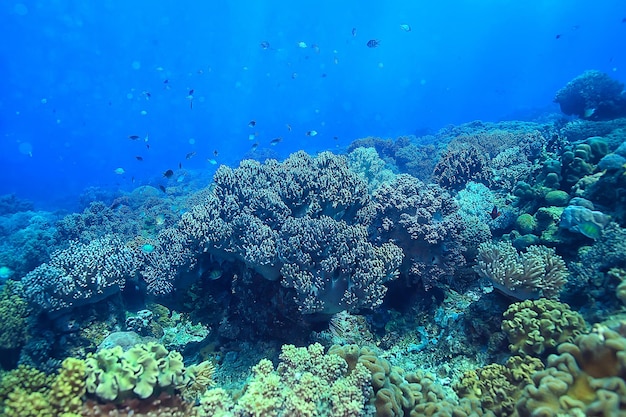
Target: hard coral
593	95
306	382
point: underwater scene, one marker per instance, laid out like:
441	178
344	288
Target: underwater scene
313	209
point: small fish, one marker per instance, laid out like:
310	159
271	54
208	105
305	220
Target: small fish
191	92
311	133
288	127
148	146
273	142
316	48
119	171
294	75
336	60
212	161
133	137
302	45
166	81
190	155
353	32
494	213
336	137
180	165
373	43
252	123
405	28
146	94
215	153
265	45
139	158
132	179
162	188
254	146
168	173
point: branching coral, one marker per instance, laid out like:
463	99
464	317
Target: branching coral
538	272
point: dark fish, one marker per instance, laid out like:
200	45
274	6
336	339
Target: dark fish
373	43
288	127
265	45
273	142
133	137
166	81
139	158
215	153
494	213
132	179
254	146
335	137
191	92
190	155
180	166
162	188
558	36
168	174
353	32
252	123
148	146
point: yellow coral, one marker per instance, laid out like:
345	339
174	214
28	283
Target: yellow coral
534	326
588	377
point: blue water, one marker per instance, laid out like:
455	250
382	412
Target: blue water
79	78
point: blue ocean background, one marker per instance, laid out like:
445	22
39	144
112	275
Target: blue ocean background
79	78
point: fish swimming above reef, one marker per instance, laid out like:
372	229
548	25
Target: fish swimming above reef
405	28
139	158
190	155
119	171
275	141
265	45
252	123
168	174
373	43
311	133
133	137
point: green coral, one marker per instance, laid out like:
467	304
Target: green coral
306	382
534	327
144	369
13	313
498	387
47	396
